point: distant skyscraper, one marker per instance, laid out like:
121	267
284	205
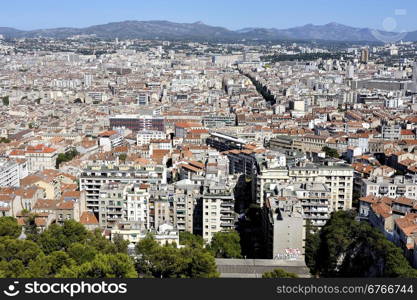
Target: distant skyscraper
88	80
414	84
415	72
365	55
350	71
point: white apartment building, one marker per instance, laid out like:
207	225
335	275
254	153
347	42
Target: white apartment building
338	178
314	199
391	132
93	178
399	186
166	234
137	204
9	173
109	140
144	137
218	210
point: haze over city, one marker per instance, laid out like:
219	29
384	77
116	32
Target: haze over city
233	14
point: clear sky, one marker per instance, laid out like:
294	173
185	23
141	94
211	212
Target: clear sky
232	14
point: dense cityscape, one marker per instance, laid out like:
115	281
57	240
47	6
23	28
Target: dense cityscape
178	158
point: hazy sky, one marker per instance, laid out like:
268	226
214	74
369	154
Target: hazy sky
234	14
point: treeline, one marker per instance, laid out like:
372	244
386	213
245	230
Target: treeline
68	251
72	251
345	247
261	89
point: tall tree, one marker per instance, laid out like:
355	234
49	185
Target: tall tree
187	238
279	273
103	266
226	245
9	227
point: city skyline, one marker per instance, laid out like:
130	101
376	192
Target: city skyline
267	14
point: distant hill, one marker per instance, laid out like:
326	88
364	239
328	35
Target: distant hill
200	31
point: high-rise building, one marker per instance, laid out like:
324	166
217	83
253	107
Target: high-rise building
338	178
218	210
88	80
365	55
94	177
283	228
350	71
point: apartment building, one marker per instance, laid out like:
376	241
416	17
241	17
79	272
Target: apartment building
111	205
40	157
110	139
338	178
92	178
218	210
134	233
218	121
284	228
137	204
138	122
314	199
186	196
9	173
398	186
144	137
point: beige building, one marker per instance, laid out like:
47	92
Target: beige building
338	178
40	157
218	210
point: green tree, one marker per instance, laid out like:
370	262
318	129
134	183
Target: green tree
30	228
100	243
122	157
103	266
167	262
279	273
9	227
74	232
120	243
330	152
58	260
145	249
312	246
57	238
226	245
187	238
12	269
200	263
64	157
81	253
5	100
348	248
38	268
14	249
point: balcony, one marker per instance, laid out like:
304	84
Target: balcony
227	224
383	190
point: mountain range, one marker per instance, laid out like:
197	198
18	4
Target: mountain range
200	31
